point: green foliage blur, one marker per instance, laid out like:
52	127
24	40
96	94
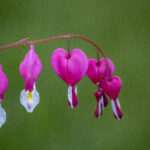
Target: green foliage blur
122	29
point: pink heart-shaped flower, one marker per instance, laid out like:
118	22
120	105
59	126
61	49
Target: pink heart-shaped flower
96	70
30	68
3	83
112	87
70	68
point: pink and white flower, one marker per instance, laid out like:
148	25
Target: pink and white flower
71	69
107	85
112	88
102	102
96	72
3	88
30	69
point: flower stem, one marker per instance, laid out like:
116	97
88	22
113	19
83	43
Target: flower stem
68	48
27	42
98	57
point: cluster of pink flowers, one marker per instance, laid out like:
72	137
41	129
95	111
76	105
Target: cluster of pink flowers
71	68
107	85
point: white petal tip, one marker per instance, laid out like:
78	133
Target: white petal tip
115	109
27	102
2	116
70	96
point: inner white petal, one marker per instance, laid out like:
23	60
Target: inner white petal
76	90
30	103
102	101
100	105
70	96
114	109
99	108
118	102
97	83
2	116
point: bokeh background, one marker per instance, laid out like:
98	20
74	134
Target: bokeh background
122	29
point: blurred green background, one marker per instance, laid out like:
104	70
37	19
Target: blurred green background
122	29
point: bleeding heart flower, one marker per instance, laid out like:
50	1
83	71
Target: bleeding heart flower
96	70
3	88
102	102
70	68
112	88
3	83
30	69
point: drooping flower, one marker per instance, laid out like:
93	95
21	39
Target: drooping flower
96	72
102	102
3	83
70	68
112	87
3	88
30	69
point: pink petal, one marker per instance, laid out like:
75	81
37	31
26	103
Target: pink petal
3	83
93	71
30	68
70	69
105	100
112	87
110	64
96	70
59	62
